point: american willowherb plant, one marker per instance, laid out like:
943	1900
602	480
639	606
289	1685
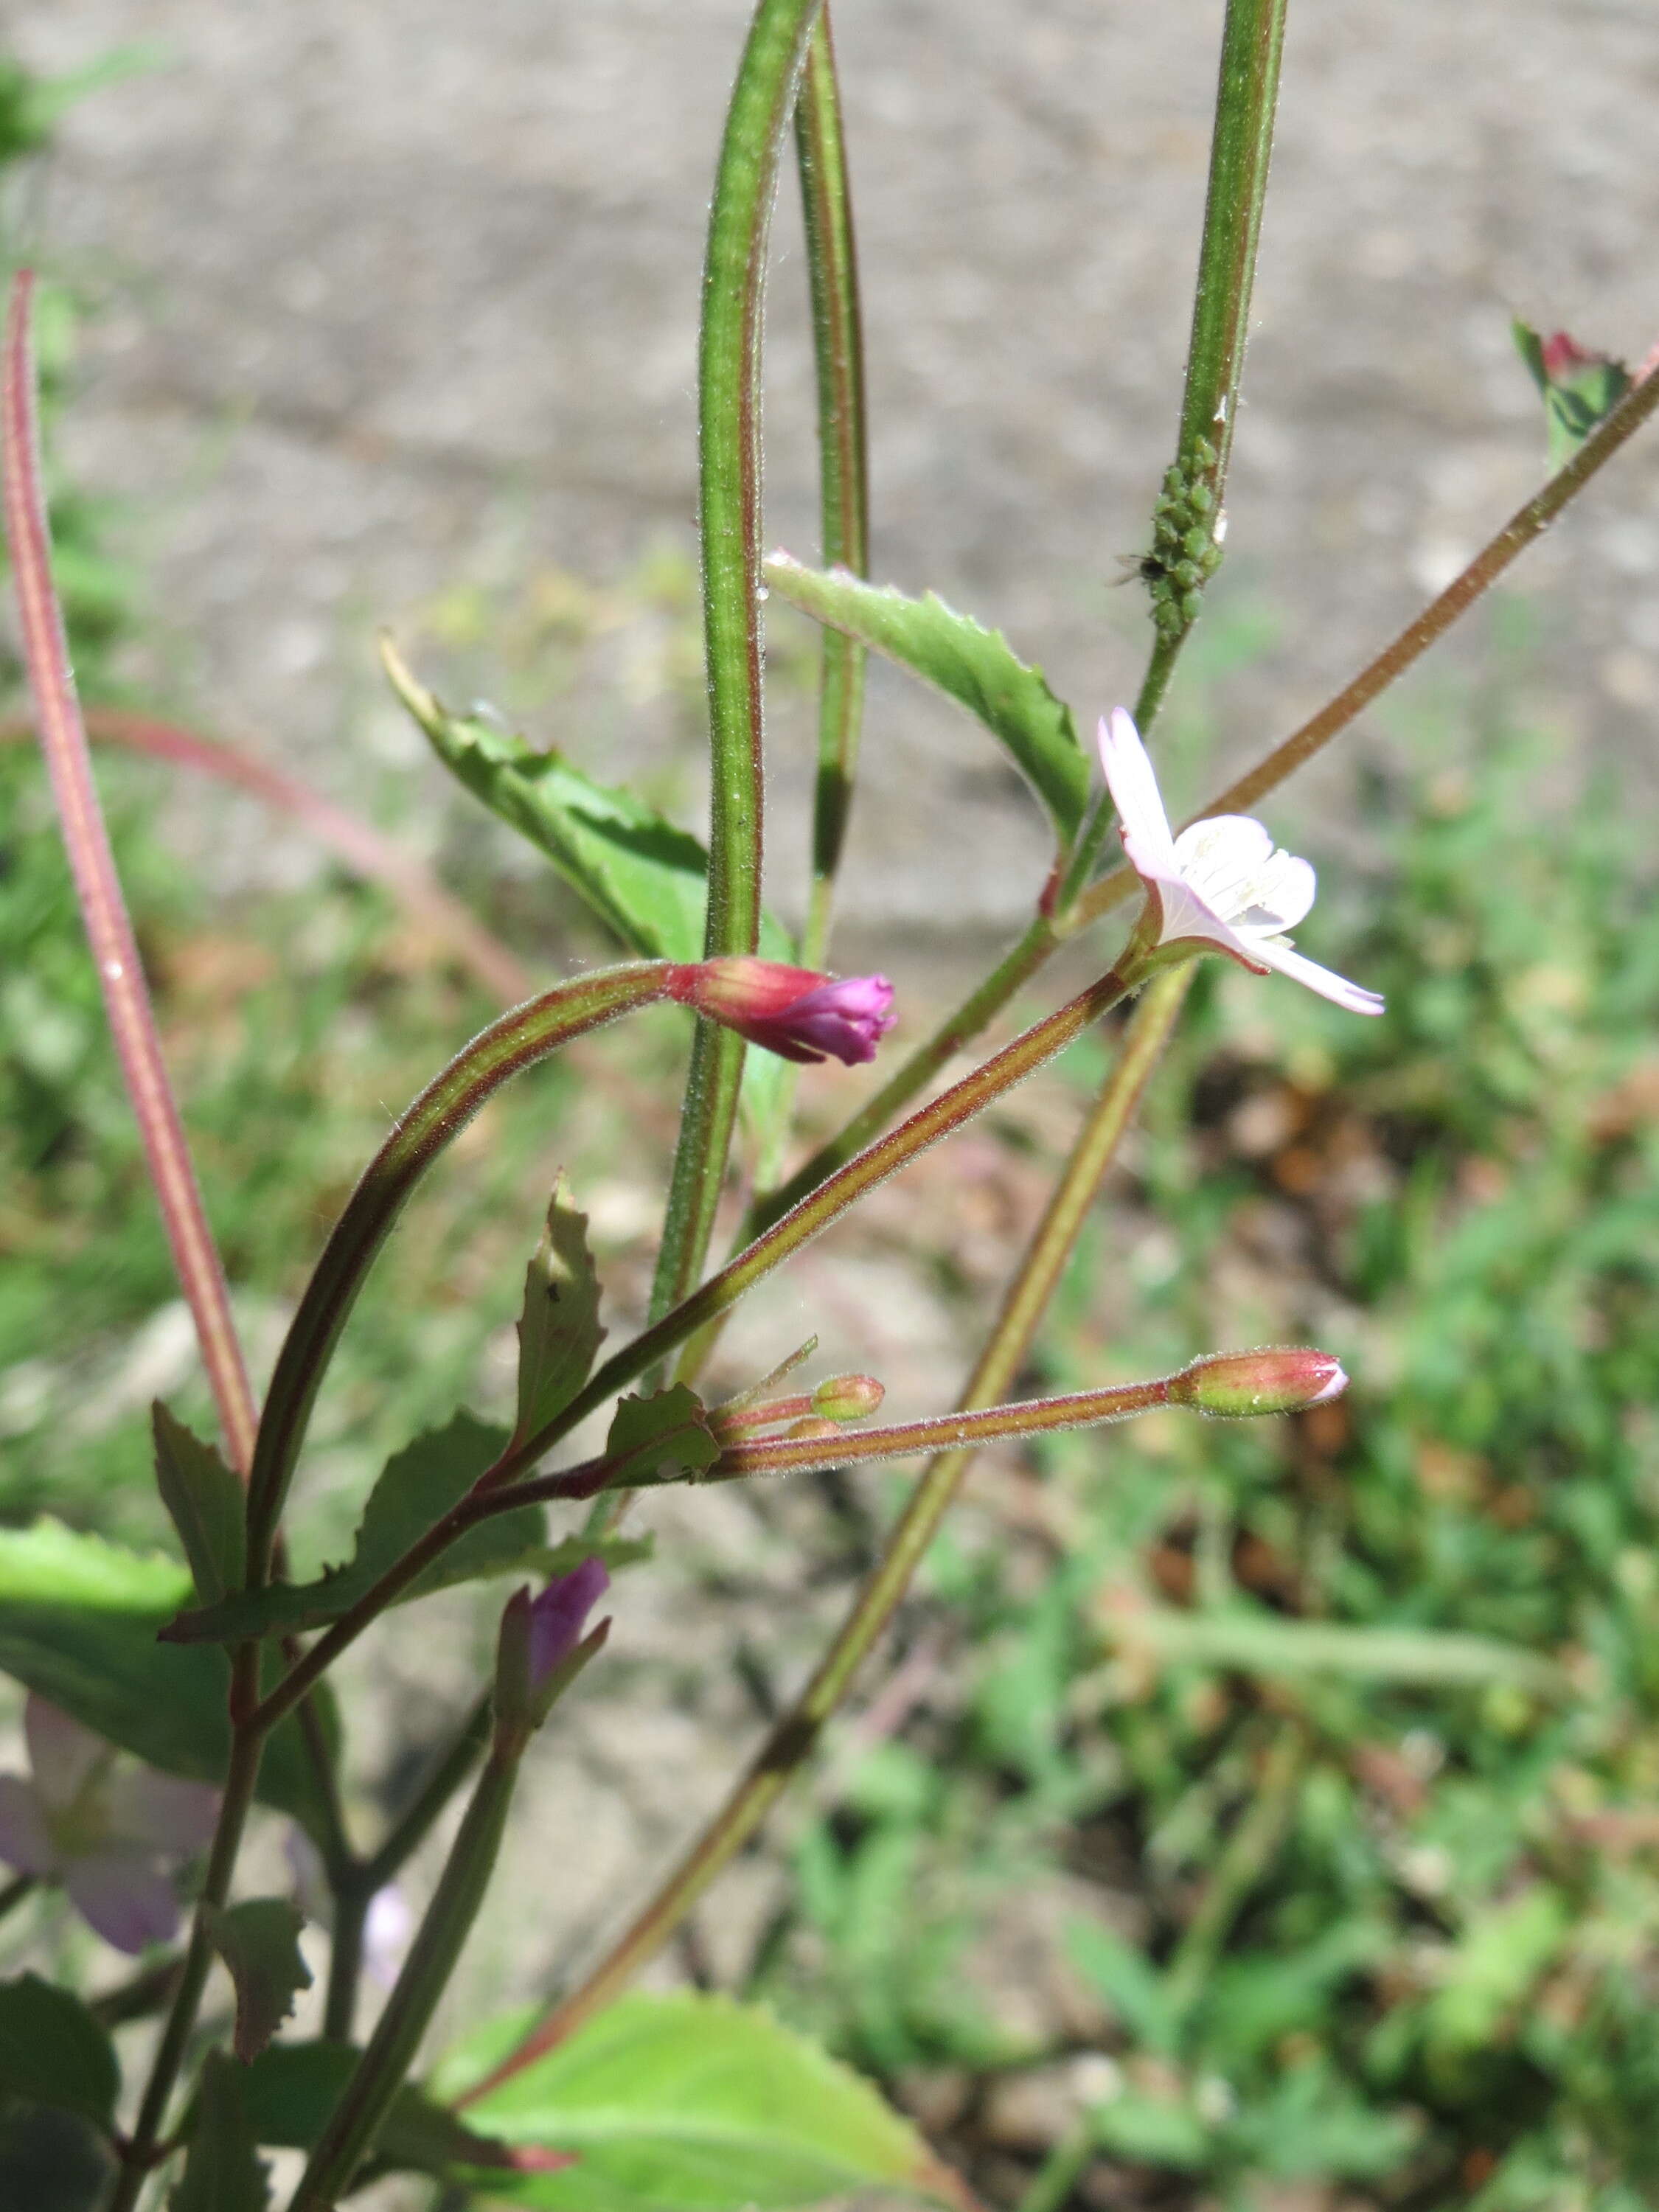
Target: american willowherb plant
165	1702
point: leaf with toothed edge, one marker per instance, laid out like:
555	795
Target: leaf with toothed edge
975	666
691	2103
206	1503
420	1485
259	1942
666	1437
559	1330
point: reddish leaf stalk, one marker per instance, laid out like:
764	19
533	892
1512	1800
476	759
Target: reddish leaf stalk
103	910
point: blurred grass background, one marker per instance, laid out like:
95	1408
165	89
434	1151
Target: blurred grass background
1257	1816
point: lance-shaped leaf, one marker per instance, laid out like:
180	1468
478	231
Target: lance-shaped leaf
223	2172
259	1942
975	666
672	2102
559	1331
420	1485
293	2088
643	877
206	1503
52	2051
79	1623
662	1438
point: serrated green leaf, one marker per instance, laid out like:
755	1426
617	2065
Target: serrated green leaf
666	1436
559	1329
691	2103
259	1942
223	2172
79	1623
419	1486
293	2087
206	1503
52	2051
975	666
643	877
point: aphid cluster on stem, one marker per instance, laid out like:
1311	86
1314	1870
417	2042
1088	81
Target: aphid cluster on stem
1187	530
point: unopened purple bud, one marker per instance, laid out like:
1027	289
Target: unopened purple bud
559	1615
1270	1381
796	1013
848	1397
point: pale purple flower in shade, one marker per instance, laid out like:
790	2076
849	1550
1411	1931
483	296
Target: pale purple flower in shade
559	1615
388	1929
106	1834
796	1013
1220	886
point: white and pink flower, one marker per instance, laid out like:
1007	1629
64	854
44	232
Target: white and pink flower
1220	886
107	1834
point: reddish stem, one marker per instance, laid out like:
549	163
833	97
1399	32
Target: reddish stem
109	930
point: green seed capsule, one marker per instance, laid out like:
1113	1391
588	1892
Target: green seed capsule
1205	452
1174	483
1166	530
1210	559
1188	575
1201	499
1168	619
1195	543
1192	606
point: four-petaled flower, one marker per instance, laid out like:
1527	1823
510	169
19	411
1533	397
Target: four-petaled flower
106	1836
1220	886
796	1013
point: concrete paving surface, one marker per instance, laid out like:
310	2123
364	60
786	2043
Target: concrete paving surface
401	298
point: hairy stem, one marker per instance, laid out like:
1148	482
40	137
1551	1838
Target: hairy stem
241	1774
98	887
729	522
390	2052
843	459
792	1738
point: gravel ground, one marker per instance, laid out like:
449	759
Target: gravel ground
403	299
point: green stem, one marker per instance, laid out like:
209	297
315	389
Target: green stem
241	1774
729	521
352	2127
843	459
844	507
1240	150
345	1959
793	1736
530	1033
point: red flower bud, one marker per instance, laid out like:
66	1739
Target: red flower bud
796	1013
1266	1381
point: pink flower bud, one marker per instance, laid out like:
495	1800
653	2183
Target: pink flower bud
796	1013
1266	1381
1562	356
559	1615
538	1637
848	1397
